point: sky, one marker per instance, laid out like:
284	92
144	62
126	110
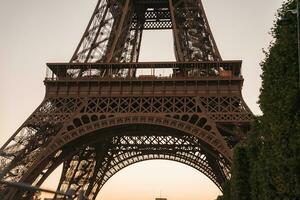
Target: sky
34	32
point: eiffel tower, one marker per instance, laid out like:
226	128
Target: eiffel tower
100	114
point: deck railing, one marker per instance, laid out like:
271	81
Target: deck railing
144	70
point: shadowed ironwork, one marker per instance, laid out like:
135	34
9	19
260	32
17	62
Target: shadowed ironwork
99	115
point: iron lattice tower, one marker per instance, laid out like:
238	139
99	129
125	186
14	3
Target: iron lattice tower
99	116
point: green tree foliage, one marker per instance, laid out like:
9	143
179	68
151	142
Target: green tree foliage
280	103
271	154
226	191
240	186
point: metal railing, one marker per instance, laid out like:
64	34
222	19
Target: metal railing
121	71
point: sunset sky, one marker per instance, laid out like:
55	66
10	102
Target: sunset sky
34	32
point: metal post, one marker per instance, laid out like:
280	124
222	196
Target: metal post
298	30
25	186
81	195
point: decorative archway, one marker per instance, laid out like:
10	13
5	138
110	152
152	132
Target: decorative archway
75	137
128	145
98	92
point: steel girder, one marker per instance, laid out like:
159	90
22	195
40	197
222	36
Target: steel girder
39	146
115	30
81	120
93	165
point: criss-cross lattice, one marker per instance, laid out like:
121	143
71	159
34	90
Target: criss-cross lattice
99	115
121	151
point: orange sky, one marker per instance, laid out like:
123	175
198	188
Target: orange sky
148	179
34	32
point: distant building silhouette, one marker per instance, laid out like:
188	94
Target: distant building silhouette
161	199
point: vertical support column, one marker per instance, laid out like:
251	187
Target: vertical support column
215	49
74	57
101	162
137	43
118	32
98	32
298	28
138	34
93	44
78	170
192	34
178	48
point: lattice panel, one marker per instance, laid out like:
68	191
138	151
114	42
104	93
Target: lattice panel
21	151
79	170
195	40
55	110
112	31
94	42
114	35
49	117
142	105
122	151
157	25
226	109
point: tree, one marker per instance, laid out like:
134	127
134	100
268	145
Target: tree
240	186
280	103
271	154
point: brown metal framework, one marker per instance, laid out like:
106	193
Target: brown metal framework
99	116
115	30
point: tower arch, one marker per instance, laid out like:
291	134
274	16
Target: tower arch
98	91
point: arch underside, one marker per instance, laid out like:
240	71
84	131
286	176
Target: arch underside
198	131
58	123
96	162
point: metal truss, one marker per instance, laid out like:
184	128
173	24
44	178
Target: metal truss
98	117
67	118
193	38
18	153
93	165
115	30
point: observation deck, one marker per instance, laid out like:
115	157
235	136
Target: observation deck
129	79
